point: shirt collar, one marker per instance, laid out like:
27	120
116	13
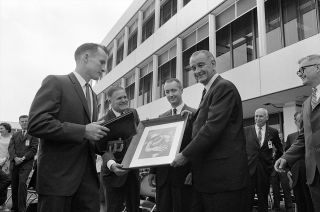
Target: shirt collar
179	108
208	85
263	128
116	113
80	79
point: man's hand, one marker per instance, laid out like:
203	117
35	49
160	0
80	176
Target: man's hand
188	180
280	164
94	131
18	160
187	112
117	169
179	160
152	180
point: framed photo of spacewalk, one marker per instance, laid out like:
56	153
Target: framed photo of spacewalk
156	143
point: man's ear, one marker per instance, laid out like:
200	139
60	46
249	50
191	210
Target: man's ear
85	57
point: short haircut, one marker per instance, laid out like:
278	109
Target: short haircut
92	47
264	110
113	89
174	80
311	57
7	126
208	54
23	116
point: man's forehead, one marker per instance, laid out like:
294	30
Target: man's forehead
201	57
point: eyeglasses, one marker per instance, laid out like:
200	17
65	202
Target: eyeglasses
301	69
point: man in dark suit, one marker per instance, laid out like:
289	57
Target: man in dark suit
22	149
63	115
173	189
122	186
309	144
297	173
260	141
217	149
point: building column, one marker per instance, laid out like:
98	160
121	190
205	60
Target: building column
212	35
262	35
179	4
140	20
156	15
289	109
114	52
125	42
179	68
155	77
136	86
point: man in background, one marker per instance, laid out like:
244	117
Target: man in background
122	186
63	115
217	150
173	189
308	144
22	149
260	141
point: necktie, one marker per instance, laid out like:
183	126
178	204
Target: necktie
260	136
23	133
88	98
174	111
203	94
314	98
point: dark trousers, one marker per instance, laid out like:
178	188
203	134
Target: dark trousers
230	201
128	195
171	198
260	185
303	197
19	176
277	179
315	192
5	181
85	199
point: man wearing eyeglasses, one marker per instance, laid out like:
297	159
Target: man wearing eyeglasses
309	144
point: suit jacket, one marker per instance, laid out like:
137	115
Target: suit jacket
58	116
177	175
298	169
309	144
110	178
20	146
262	156
217	149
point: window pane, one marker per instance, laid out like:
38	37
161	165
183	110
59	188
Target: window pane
148	28
166	71
168	9
119	54
290	23
273	25
186	2
132	42
308	18
109	63
225	17
242	37
145	90
130	94
223	49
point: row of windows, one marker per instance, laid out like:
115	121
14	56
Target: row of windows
287	22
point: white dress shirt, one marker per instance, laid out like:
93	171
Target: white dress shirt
179	108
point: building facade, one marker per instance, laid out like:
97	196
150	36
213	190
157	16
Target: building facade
257	44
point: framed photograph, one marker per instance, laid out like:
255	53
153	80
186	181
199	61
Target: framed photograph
156	143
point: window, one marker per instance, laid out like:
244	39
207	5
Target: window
148	27
273	29
223	48
130	85
132	42
186	2
119	54
145	85
109	63
307	18
167	10
166	71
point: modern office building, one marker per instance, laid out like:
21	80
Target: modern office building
257	44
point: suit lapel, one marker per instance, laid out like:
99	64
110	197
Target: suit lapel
210	91
80	93
255	135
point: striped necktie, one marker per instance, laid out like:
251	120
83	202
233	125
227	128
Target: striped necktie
314	98
260	136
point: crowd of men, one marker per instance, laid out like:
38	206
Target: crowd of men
221	166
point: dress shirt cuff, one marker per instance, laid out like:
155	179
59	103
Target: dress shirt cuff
109	163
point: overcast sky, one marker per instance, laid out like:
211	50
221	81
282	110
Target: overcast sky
39	37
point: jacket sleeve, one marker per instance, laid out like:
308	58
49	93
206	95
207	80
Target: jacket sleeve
45	108
296	150
33	149
12	149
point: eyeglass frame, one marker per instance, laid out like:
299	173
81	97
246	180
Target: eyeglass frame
301	69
